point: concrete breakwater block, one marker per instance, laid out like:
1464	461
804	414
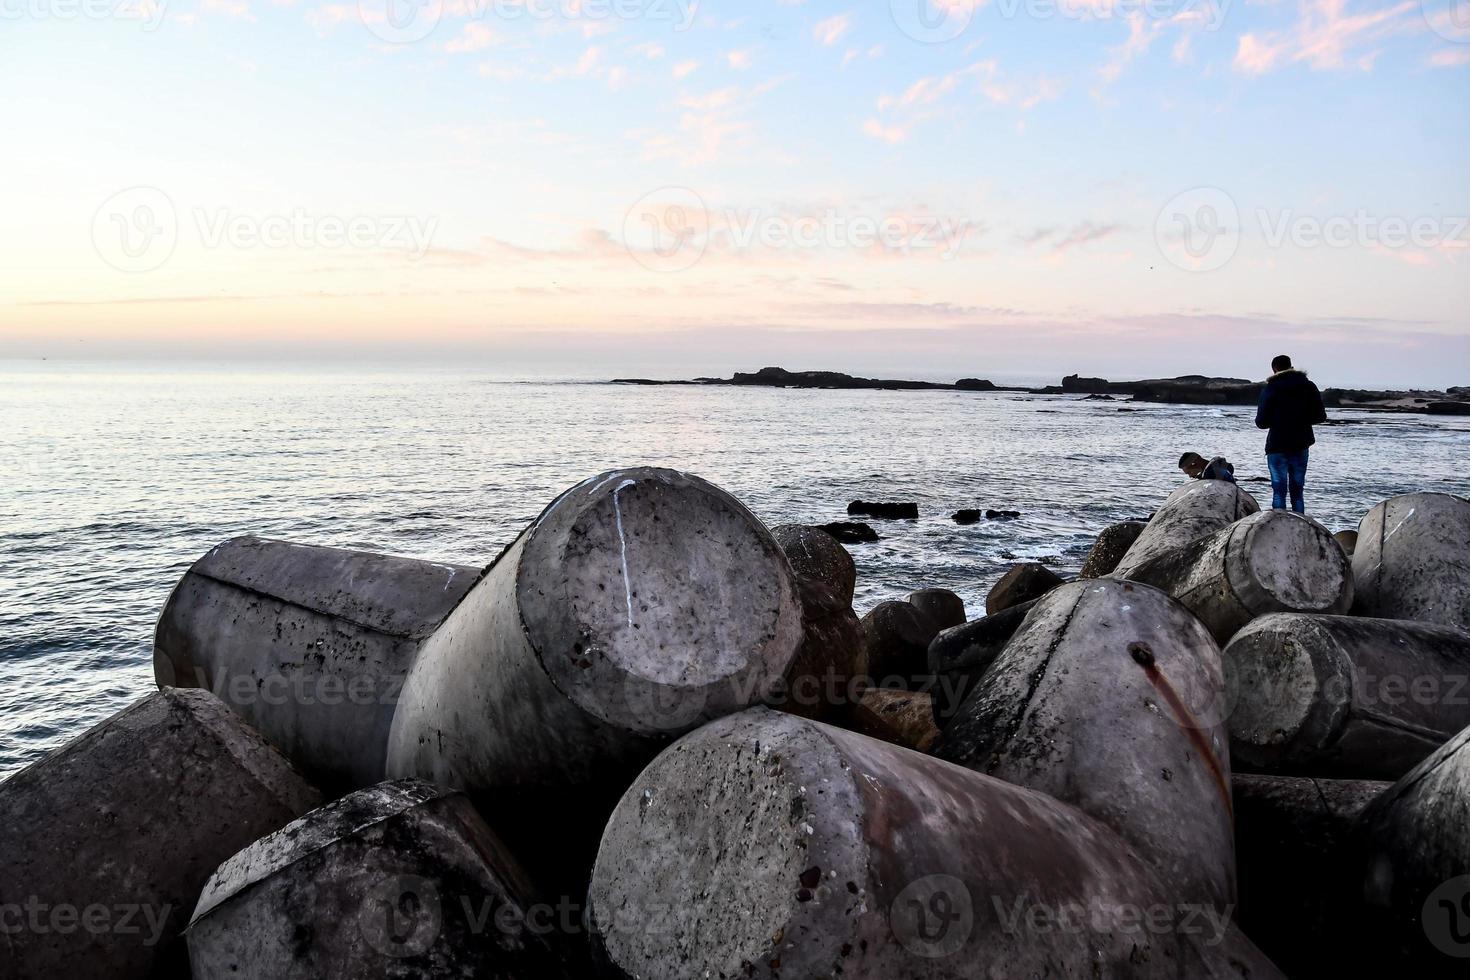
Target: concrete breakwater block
814	553
1020	584
402	879
823	678
959	656
1111	697
896	637
1196	509
1415	839
1294	863
943	608
1270	562
1345	695
107	842
640	604
310	645
1412	559
765	845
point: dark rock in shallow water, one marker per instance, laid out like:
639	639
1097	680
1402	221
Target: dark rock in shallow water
943	607
966	517
889	511
1024	582
896	639
814	553
774	377
1448	408
974	384
1002	515
850	532
1110	547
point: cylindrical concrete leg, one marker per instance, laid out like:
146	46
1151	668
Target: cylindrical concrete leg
1412	559
896	637
640	604
107	842
1198	508
820	683
1294	863
1344	695
1270	562
399	880
769	846
1111	697
958	657
311	645
814	553
1416	881
943	608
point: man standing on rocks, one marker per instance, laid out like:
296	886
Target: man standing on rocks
1290	405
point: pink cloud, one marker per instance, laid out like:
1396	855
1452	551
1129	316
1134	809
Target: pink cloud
831	30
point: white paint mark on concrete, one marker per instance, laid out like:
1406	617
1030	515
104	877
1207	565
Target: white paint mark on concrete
1400	524
623	544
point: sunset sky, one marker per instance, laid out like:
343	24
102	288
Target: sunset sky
920	187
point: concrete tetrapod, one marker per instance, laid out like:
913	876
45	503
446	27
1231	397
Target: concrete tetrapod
108	841
766	845
398	880
1345	696
1294	862
1111	697
1270	562
640	604
311	645
1198	508
1412	559
1416	882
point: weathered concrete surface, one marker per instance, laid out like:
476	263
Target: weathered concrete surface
1111	697
767	846
106	843
310	645
958	657
944	608
640	604
896	638
1110	547
820	683
1294	863
1412	560
1021	583
814	553
1345	695
901	717
1198	508
399	880
1270	562
1416	865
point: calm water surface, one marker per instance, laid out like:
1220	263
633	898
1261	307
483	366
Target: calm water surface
118	478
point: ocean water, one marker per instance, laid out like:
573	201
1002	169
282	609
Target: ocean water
117	478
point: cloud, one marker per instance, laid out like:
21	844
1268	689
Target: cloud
739	60
828	32
1450	58
474	37
685	68
1325	37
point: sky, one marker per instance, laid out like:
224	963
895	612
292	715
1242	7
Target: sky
914	188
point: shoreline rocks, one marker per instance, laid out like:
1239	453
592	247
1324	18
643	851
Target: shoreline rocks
885	510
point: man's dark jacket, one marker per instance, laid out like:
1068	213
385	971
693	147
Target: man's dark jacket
1290	405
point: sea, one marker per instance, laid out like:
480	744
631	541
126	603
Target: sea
117	477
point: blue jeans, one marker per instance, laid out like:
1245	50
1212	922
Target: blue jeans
1288	476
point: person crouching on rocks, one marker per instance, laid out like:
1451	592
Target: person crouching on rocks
1196	467
1290	405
